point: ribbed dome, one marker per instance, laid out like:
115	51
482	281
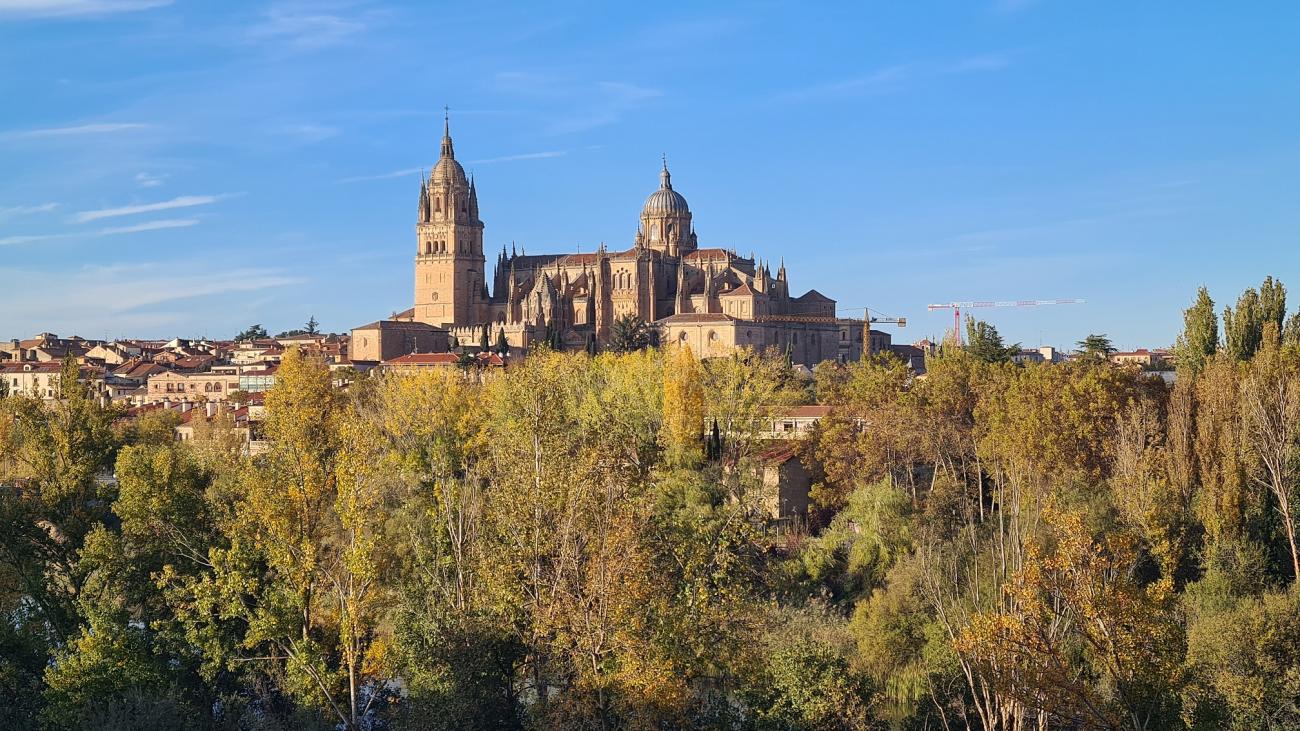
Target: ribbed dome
665	200
448	170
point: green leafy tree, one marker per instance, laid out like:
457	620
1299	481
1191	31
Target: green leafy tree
483	339
628	333
809	685
502	345
1096	346
252	332
984	342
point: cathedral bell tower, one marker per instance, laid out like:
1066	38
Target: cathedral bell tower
450	289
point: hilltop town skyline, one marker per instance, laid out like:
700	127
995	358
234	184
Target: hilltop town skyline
178	170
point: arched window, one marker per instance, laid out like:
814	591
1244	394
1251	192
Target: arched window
437	204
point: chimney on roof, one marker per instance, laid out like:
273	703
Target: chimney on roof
210	409
186	406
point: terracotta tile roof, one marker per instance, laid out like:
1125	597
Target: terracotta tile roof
442	359
709	253
801	412
743	289
578	259
31	366
695	317
137	368
398	325
778	454
424	359
813	295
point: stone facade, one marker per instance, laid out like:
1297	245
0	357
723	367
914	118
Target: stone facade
712	298
387	339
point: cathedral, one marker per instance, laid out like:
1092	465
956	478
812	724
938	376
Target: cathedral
710	298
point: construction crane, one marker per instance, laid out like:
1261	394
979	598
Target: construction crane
957	307
873	320
868	320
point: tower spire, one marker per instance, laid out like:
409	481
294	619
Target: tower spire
665	179
447	150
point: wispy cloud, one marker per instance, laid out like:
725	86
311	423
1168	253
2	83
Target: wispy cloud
983	62
150	180
306	26
611	101
150	226
159	225
15	240
72	8
309	133
81	129
883	79
185	201
404	173
119	298
525	156
15	211
412	172
893	78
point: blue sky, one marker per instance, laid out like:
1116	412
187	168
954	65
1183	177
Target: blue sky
188	168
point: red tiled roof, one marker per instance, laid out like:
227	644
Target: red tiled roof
778	454
31	366
424	359
697	317
813	295
710	253
743	289
442	359
397	325
799	412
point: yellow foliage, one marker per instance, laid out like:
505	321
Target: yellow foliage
683	423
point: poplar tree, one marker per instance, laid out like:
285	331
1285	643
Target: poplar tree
1243	326
683	408
1199	340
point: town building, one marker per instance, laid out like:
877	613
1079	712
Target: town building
1154	359
387	339
40	378
214	385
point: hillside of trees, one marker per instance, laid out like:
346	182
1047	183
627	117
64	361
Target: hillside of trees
992	546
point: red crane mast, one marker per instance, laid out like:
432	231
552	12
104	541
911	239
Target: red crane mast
957	307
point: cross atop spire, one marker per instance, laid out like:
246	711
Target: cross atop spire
665	179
